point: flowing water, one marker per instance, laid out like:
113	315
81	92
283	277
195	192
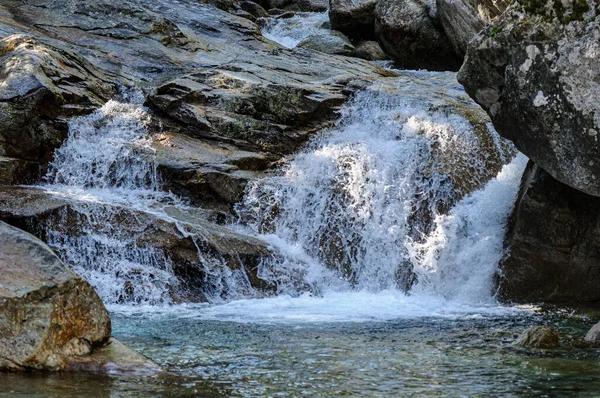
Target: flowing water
383	275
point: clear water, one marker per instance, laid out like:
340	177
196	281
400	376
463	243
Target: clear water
458	355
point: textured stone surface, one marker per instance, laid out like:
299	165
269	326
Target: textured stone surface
463	19
538	337
593	334
369	50
554	243
409	32
355	18
329	42
48	314
535	70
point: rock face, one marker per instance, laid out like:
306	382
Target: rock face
353	18
463	19
409	32
369	50
535	70
554	243
329	42
48	314
43	84
538	337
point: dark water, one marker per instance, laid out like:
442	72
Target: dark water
466	356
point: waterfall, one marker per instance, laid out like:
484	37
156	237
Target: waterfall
397	196
375	200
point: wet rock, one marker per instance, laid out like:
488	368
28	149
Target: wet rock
369	50
553	241
43	84
309	5
535	70
18	171
254	9
48	314
538	337
593	334
353	18
185	235
329	42
409	32
463	19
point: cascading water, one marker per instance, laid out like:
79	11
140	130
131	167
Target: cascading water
370	199
291	31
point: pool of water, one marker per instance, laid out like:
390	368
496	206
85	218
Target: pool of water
465	354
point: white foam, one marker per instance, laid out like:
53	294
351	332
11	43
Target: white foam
290	31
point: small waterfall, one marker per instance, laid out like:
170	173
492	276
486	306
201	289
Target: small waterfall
370	199
290	31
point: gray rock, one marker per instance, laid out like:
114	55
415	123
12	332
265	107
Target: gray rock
409	33
254	9
463	19
553	241
309	5
18	171
48	314
535	70
593	334
538	337
355	18
329	42
369	50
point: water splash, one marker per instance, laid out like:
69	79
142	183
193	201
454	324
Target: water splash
290	31
367	199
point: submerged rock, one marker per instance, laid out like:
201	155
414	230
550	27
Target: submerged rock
329	42
553	242
409	32
353	18
538	337
535	70
49	315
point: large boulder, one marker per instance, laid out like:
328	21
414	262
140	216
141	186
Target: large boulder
48	314
535	70
408	30
355	18
463	19
553	241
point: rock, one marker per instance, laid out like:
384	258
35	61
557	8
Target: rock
186	236
553	241
535	71
355	18
409	33
48	314
463	19
43	84
309	5
369	50
538	337
113	357
208	174
593	334
329	42
18	171
254	9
